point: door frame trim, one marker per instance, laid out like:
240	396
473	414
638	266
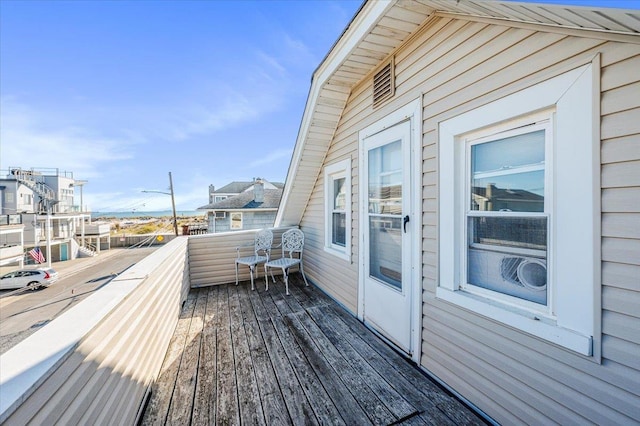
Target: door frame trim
413	113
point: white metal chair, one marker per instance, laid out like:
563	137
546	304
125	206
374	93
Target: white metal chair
261	253
292	242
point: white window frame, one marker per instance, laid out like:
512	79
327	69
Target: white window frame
338	170
218	198
574	251
231	215
532	122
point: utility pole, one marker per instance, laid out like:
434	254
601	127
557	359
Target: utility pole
173	202
173	205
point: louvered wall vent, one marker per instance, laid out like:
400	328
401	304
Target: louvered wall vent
383	84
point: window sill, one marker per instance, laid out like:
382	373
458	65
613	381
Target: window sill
521	320
338	253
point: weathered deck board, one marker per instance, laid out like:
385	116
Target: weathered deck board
204	404
182	400
261	357
286	353
273	405
227	406
162	389
249	399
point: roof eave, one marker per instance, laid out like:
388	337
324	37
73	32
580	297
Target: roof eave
370	14
366	17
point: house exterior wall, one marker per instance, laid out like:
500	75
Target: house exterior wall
250	220
455	66
64	190
337	276
16	197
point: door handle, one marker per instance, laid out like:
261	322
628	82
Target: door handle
404	223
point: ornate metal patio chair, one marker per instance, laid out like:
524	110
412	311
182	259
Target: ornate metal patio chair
292	243
261	253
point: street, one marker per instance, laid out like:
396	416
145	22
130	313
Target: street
24	313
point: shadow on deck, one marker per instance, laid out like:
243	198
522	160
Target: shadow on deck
253	357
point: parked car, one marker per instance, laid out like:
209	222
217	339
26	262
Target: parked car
32	278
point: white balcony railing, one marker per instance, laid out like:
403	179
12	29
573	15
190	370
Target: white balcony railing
95	229
7	252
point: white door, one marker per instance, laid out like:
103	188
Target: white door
387	233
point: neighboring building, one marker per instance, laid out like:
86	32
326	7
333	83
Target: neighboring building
469	175
11	242
243	205
35	200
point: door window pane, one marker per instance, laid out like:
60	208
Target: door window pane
385	179
385	250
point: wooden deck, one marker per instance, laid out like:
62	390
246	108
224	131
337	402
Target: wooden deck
254	357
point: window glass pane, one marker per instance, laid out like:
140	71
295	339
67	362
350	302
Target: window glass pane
236	220
508	174
509	255
385	250
339	194
339	229
385	179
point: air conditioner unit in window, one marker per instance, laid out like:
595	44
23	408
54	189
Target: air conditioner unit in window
519	276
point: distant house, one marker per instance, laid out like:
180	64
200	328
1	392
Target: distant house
242	205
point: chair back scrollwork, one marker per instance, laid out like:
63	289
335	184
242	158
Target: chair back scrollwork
292	242
263	241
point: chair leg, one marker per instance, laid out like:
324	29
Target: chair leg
303	275
236	273
251	273
285	272
266	280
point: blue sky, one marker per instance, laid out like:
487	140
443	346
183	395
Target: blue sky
122	92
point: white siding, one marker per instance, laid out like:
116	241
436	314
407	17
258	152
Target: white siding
105	376
334	275
212	256
456	66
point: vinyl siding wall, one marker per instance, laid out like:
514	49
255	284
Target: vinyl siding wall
95	363
336	276
212	257
250	220
456	66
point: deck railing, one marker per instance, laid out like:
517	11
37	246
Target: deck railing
211	256
95	363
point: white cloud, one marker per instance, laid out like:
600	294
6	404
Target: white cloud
28	140
298	52
271	157
201	119
273	62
